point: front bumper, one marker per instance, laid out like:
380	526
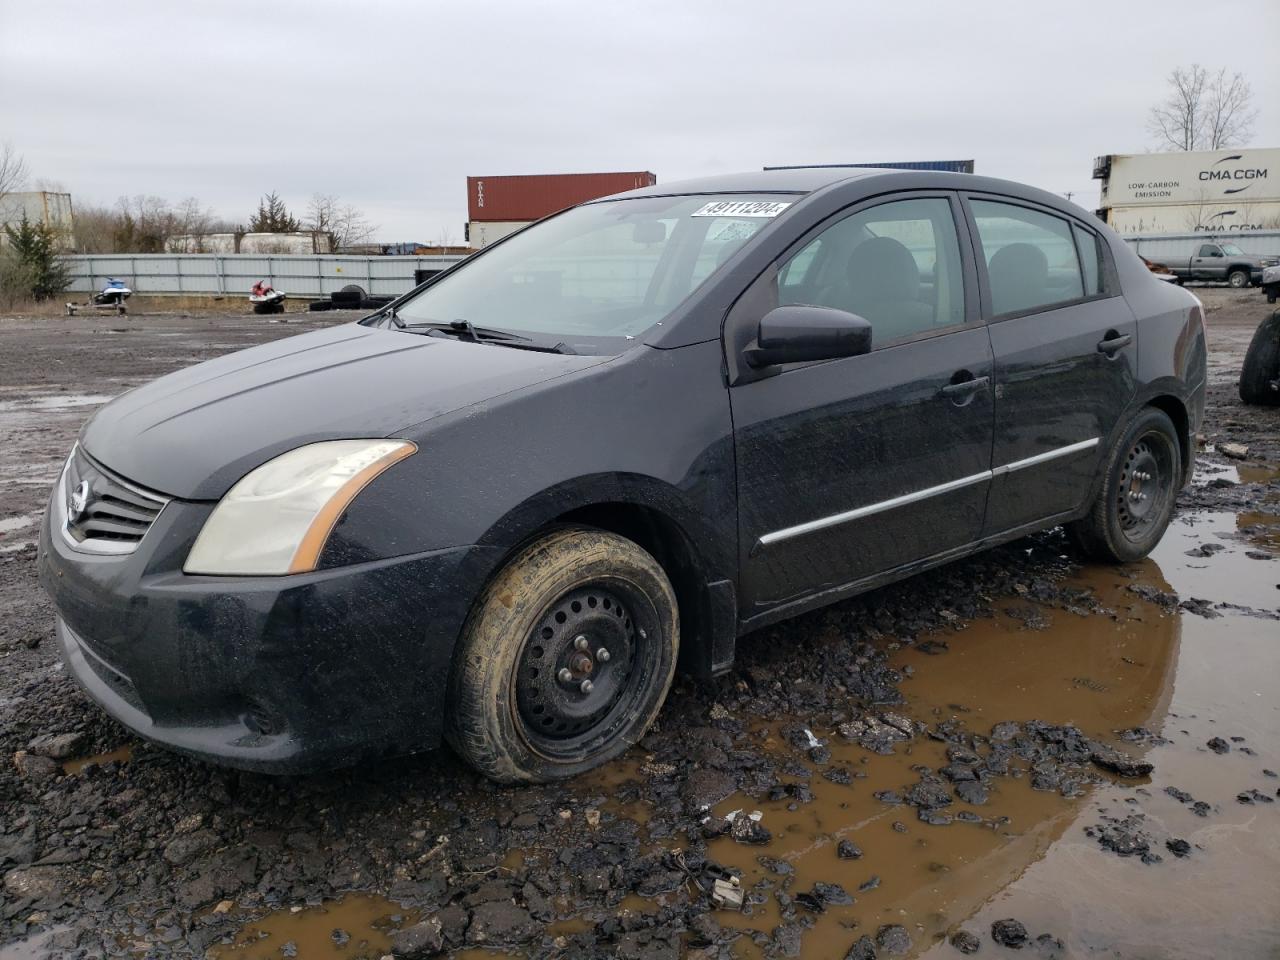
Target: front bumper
274	674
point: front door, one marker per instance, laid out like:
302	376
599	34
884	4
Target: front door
1065	345
853	467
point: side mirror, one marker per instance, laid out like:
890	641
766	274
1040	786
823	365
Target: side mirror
796	333
1216	253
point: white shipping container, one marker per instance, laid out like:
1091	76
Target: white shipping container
481	233
1204	176
1195	217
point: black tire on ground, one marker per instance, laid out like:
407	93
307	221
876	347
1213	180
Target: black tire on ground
346	299
577	605
1238	278
354	288
1261	371
320	305
1135	503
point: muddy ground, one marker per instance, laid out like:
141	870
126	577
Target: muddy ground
1016	750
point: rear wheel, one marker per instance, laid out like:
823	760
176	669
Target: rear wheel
566	659
1238	278
1260	375
1135	504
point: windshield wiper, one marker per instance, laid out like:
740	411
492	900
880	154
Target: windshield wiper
395	317
456	328
502	338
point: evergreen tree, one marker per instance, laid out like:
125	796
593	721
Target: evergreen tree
35	246
273	217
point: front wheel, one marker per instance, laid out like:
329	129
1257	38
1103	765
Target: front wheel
1238	278
1135	503
566	659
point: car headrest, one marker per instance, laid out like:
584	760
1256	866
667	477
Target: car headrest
1019	275
882	269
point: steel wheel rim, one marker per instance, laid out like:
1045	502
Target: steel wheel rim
557	716
1146	486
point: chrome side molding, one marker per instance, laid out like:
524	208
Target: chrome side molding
835	519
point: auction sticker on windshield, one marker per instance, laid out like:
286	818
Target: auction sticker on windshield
741	208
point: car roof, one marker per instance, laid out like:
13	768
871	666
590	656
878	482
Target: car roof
804	180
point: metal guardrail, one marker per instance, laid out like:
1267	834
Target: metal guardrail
233	274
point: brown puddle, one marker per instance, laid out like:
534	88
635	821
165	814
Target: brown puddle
118	755
1099	674
1183	676
366	920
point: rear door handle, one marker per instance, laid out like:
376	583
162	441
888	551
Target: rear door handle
954	391
1110	345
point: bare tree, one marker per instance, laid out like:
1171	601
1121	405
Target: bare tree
13	170
96	229
1229	119
1203	111
336	226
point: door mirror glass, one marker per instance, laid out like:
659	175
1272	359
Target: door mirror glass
798	333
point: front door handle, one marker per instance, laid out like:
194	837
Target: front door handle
955	391
1111	344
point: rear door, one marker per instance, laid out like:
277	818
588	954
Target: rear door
1065	347
849	468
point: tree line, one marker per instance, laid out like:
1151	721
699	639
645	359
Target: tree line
149	224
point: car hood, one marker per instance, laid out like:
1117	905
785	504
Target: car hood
194	433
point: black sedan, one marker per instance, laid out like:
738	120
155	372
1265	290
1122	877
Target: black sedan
504	509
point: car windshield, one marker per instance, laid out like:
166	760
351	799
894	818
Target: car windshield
1231	250
602	270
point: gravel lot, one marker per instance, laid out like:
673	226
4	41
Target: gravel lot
1015	749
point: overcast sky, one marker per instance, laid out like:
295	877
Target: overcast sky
390	105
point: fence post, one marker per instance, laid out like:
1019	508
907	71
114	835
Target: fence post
177	267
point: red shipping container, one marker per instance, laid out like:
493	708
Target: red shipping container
534	196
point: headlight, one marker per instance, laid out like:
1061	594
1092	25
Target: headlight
277	518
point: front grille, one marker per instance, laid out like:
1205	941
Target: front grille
105	513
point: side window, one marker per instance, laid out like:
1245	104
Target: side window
1208	250
1090	260
896	264
1031	257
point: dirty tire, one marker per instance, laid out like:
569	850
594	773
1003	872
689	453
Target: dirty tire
1118	529
1262	364
514	714
1238	278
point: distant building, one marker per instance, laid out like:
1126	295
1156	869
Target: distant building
40	206
499	206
